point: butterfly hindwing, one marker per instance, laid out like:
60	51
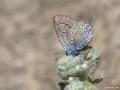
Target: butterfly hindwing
83	36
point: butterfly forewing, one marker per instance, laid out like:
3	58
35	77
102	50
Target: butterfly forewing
63	25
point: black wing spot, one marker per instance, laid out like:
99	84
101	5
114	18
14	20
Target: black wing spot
63	32
69	26
66	24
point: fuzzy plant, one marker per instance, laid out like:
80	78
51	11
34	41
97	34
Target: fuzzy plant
76	68
77	73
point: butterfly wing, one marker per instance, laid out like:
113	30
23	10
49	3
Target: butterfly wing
63	25
72	35
83	36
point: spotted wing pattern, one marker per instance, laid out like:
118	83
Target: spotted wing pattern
72	35
83	36
63	25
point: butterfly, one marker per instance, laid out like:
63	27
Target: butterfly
72	35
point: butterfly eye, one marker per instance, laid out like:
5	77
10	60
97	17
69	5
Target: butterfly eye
71	41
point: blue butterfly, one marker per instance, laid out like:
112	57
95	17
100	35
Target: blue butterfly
72	35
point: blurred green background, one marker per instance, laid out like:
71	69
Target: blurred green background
28	41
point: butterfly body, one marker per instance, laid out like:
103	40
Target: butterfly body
72	35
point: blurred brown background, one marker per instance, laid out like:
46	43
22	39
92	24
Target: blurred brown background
28	40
